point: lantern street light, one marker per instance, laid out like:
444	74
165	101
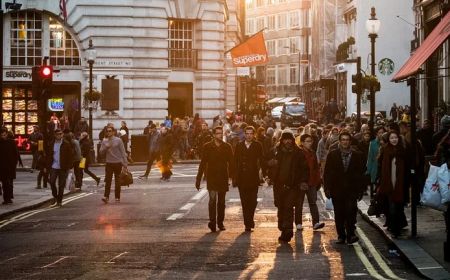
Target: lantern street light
372	26
91	56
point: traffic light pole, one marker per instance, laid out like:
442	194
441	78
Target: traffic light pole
358	95
1	63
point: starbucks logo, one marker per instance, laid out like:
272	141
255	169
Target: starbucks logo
386	66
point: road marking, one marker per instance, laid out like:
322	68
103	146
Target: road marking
71	224
430	267
118	256
235	200
57	261
376	255
13	258
30	213
187	206
175	216
356	274
366	262
199	195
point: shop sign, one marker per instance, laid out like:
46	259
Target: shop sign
56	104
114	62
22	143
17	75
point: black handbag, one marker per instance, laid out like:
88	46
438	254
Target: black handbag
126	178
375	208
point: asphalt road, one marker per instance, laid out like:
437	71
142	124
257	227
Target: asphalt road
159	231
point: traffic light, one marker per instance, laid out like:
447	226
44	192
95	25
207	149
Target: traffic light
46	75
357	83
36	82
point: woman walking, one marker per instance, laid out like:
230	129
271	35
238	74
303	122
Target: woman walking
86	148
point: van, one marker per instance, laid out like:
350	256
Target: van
294	114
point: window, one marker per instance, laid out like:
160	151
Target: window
294	45
282	75
63	50
270	2
305	18
271	50
250	26
304	44
26	38
282	46
181	42
271	75
271	22
293	74
294	19
260	3
282	21
282	1
249	4
260	23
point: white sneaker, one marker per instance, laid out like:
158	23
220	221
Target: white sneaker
54	205
318	226
299	227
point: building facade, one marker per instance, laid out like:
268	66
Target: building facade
286	26
166	57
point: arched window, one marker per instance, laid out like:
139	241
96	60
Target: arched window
63	50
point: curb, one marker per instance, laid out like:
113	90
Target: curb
194	161
424	264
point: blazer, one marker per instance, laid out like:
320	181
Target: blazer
248	163
341	183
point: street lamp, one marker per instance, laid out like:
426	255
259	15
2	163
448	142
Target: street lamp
372	26
91	56
9	6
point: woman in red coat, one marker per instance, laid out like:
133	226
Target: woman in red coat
314	182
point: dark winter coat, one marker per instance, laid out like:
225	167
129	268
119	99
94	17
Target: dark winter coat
86	148
341	183
248	163
217	163
299	172
10	156
66	155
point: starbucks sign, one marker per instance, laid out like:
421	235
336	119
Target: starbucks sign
386	66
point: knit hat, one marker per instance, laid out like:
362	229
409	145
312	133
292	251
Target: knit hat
287	134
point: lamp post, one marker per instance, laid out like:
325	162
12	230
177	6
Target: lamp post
91	56
372	26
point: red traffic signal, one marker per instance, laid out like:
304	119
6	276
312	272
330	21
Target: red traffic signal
46	75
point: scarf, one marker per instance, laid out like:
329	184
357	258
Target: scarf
346	155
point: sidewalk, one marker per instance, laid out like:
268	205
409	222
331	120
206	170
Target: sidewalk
426	251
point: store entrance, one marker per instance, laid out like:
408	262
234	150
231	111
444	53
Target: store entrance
64	105
180	100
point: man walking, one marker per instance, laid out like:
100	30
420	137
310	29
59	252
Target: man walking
153	148
344	184
34	139
217	162
60	161
116	159
248	159
10	156
290	172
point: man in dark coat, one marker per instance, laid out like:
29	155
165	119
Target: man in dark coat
59	162
34	139
217	162
289	173
344	184
10	156
248	158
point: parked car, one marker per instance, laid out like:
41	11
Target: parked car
294	114
366	115
276	113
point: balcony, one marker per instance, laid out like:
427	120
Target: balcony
183	58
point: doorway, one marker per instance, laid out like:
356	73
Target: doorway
180	100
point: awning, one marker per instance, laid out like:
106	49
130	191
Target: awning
275	100
440	33
289	99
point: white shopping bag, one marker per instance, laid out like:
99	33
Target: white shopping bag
431	196
70	181
444	183
329	204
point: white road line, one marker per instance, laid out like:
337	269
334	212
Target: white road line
57	261
187	206
175	216
429	267
71	224
199	195
376	255
118	256
366	262
13	258
235	200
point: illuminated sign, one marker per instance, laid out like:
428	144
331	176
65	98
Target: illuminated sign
56	104
22	143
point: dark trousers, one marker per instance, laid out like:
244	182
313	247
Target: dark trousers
78	172
345	210
286	198
61	175
110	169
151	158
34	161
42	176
395	218
216	207
89	172
311	195
7	186
249	201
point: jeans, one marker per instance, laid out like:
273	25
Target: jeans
216	207
61	175
311	194
42	176
249	200
7	185
110	169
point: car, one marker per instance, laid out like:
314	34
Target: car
276	113
366	115
294	114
